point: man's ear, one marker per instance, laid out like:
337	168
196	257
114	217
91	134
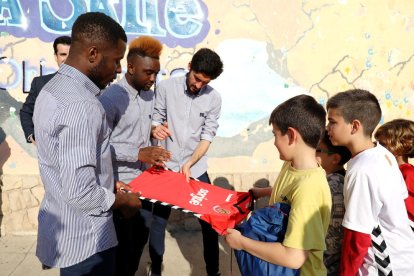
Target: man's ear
93	54
130	68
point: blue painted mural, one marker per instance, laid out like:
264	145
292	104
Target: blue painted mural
174	22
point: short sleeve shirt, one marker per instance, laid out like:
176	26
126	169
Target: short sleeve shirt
308	193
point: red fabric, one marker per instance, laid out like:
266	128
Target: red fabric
407	171
220	207
354	248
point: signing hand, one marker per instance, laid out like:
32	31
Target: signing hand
161	132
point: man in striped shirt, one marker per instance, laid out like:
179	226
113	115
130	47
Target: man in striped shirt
76	231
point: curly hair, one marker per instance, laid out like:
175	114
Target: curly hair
145	46
397	136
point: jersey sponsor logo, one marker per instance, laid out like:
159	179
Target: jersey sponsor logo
196	199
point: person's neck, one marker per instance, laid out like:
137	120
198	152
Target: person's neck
129	81
360	146
401	160
304	161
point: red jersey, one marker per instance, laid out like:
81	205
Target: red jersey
220	207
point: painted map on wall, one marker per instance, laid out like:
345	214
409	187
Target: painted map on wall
272	50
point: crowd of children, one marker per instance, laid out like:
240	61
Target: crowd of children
340	223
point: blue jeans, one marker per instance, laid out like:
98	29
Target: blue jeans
102	263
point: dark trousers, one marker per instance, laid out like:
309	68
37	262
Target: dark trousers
210	240
102	263
149	222
155	217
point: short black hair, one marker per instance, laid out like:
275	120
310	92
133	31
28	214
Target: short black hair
97	27
344	152
357	104
207	62
65	40
304	114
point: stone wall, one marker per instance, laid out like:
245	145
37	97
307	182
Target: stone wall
20	199
21	195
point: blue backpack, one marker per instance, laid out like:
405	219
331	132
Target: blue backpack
269	225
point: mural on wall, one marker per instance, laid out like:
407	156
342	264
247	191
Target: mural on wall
272	50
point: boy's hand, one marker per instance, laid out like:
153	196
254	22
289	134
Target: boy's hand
260	192
234	239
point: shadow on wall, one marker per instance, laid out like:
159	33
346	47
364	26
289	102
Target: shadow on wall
223	183
5	153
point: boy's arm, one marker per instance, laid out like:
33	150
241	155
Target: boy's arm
261	192
354	248
272	252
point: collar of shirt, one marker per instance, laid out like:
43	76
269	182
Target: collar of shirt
78	76
132	92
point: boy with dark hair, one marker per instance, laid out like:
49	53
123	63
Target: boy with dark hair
377	236
298	125
332	159
192	108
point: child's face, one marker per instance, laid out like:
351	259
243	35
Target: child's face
327	159
281	143
339	131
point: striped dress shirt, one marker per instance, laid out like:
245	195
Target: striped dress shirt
129	115
191	118
75	220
